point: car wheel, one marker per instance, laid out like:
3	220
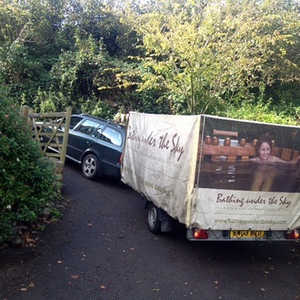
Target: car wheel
90	166
153	222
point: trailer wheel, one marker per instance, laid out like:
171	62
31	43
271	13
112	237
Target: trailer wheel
153	222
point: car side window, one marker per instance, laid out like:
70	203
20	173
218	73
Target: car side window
88	127
74	121
98	130
112	136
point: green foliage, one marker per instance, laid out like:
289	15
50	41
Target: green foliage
260	111
28	181
46	101
208	53
29	45
166	56
100	108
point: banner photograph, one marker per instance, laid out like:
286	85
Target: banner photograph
251	156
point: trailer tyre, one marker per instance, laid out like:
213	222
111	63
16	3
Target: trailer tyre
153	221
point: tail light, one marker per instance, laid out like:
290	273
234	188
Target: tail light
121	159
292	235
200	234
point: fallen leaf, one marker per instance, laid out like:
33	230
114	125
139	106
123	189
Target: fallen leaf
74	276
29	240
31	284
103	287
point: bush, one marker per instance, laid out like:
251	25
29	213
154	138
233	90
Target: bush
28	182
262	112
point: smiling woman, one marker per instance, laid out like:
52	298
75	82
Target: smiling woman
264	150
265	173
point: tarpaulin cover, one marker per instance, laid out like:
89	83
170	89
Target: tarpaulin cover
160	159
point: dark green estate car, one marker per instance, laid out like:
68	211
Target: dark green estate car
96	144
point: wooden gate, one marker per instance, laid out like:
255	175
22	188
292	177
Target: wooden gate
51	130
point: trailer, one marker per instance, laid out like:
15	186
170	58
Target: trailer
224	179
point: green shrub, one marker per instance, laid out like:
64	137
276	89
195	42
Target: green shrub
262	112
28	182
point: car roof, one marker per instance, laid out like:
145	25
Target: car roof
99	119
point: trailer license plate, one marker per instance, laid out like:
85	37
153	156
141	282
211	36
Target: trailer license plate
246	234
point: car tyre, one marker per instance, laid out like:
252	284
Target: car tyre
153	221
90	166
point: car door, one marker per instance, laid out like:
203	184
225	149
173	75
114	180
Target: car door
110	145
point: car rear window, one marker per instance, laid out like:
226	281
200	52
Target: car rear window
112	136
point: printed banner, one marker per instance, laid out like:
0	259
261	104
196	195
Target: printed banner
160	159
249	176
240	210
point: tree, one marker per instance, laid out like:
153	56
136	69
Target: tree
29	44
209	54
